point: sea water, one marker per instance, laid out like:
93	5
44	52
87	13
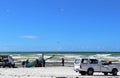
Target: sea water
68	56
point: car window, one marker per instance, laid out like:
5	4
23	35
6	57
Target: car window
104	62
84	61
77	61
11	58
93	61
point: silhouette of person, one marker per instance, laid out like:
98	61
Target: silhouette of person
37	63
27	61
23	63
63	61
110	62
43	62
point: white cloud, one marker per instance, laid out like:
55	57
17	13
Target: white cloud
29	37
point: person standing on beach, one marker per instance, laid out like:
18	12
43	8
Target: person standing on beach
62	61
27	61
43	62
23	63
38	63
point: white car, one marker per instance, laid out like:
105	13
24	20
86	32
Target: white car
7	61
89	66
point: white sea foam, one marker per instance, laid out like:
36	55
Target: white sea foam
67	57
72	56
106	57
109	57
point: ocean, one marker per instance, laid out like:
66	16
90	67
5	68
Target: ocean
68	56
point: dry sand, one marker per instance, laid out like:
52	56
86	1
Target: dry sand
47	72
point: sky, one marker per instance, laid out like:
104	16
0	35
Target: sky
59	25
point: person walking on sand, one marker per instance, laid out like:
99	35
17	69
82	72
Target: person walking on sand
62	61
23	63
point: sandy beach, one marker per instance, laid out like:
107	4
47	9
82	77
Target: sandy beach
47	72
53	67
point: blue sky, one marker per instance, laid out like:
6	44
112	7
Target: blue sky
59	25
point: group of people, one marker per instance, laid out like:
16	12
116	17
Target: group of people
36	64
25	62
39	63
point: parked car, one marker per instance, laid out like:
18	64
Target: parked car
6	61
89	66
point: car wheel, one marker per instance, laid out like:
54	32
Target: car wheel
114	72
90	71
105	73
83	73
4	66
9	65
13	65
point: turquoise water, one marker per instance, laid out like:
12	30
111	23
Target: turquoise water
69	56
